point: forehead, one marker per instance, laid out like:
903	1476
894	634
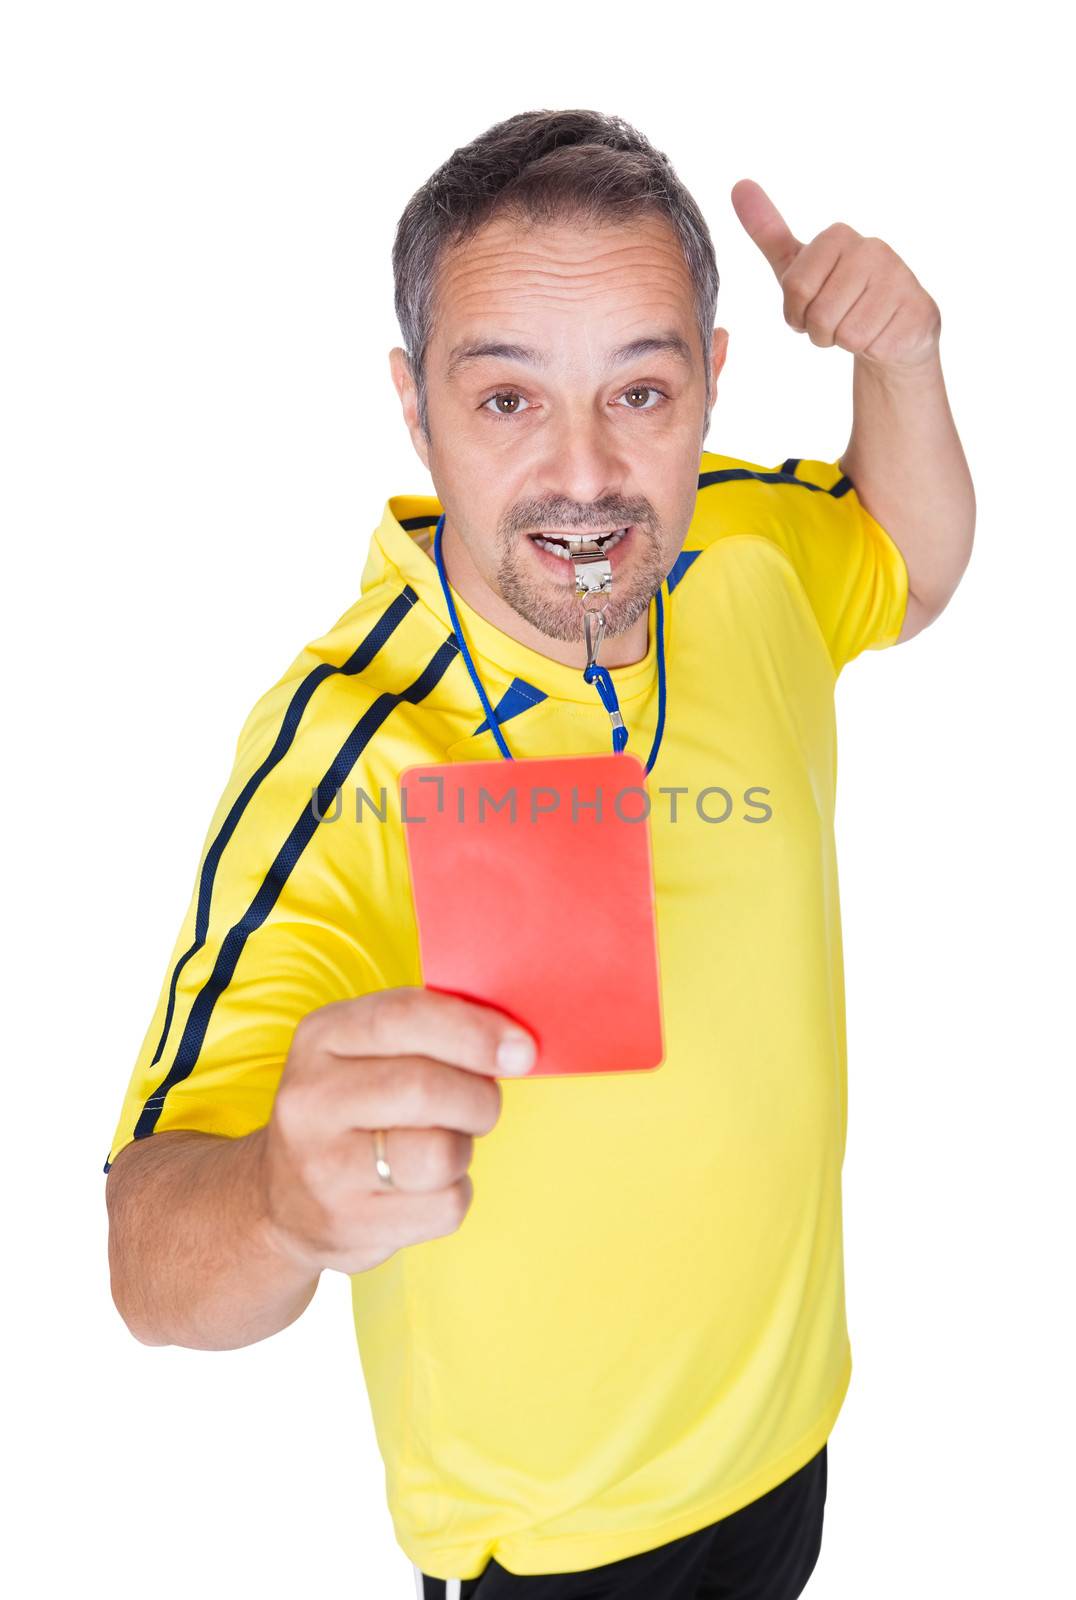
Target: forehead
513	274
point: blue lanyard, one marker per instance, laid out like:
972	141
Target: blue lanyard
595	674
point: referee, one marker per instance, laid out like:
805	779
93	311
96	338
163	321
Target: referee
601	1318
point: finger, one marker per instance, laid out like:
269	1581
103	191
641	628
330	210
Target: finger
833	257
421	1160
401	1220
891	341
866	319
808	276
843	288
419	1021
395	1092
765	224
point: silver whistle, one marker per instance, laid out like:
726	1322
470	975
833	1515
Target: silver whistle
593	579
593	572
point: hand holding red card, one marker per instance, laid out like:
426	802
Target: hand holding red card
533	890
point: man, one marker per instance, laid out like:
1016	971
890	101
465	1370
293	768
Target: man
601	1318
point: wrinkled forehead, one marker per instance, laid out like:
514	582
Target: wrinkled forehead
569	280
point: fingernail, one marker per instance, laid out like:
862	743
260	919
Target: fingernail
515	1053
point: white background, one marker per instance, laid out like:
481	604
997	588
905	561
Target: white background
199	434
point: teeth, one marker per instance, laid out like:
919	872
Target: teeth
606	543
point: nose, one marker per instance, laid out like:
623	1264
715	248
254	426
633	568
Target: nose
581	458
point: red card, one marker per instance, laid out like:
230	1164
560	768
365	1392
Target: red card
533	889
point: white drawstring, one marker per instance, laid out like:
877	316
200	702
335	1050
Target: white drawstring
453	1586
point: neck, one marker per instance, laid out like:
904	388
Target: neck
618	650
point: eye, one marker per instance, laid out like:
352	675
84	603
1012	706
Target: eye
503	394
647	389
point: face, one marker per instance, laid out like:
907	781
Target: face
566	393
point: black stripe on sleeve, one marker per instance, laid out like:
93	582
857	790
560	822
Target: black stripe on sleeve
730	474
389	619
302	832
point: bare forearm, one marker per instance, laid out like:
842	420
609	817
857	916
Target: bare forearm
910	472
904	456
191	1254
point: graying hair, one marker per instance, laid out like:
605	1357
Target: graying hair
543	167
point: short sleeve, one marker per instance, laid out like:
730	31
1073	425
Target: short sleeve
271	932
854	575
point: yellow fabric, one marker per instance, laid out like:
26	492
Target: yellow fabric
640	1325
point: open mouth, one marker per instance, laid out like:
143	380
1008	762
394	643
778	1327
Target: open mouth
559	544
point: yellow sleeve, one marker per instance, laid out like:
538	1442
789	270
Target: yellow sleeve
272	931
853	573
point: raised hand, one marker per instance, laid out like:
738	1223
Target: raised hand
842	288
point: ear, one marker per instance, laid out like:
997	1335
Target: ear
719	350
404	384
719	345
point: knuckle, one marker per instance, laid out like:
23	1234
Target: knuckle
386	1010
459	1202
412	1091
306	1033
443	1154
450	1208
313	1029
292	1105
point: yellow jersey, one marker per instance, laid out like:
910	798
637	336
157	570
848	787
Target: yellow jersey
639	1326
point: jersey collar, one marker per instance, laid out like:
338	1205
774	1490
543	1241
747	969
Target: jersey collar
405	540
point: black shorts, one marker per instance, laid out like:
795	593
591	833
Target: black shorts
765	1551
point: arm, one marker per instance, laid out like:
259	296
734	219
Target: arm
192	1256
910	472
904	457
198	1169
219	1242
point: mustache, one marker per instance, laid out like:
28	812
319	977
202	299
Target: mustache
573	523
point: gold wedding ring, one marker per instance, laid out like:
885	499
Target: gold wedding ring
384	1171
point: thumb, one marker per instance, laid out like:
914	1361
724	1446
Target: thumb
765	224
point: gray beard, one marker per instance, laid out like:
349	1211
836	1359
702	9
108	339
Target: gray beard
559	615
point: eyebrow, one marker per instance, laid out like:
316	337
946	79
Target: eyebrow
654	344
